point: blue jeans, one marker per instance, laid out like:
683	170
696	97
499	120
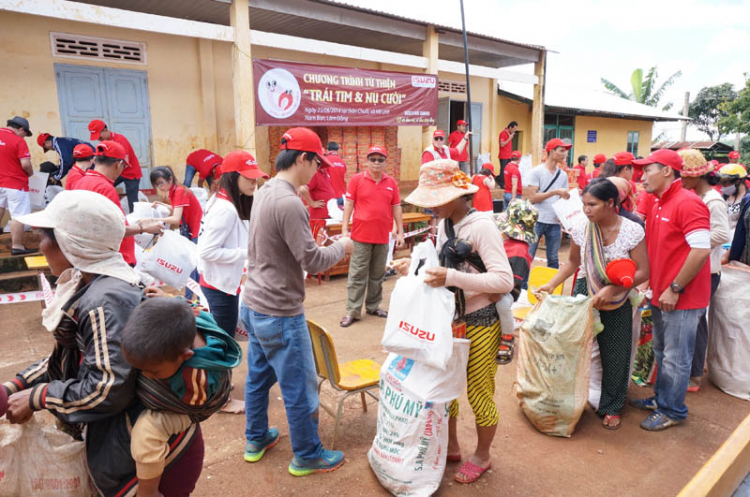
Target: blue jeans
131	190
673	343
224	308
189	175
507	197
279	349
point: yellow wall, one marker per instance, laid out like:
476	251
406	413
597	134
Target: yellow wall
512	110
611	137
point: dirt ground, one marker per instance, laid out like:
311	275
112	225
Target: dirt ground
593	461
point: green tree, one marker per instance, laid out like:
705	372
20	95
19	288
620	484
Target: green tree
705	110
645	90
736	117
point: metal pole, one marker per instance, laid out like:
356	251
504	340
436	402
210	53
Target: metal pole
468	88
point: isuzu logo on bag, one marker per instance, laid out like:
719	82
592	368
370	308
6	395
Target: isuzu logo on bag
416	332
168	265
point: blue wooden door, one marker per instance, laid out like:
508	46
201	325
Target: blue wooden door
118	97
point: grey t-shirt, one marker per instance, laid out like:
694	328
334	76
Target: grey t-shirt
542	178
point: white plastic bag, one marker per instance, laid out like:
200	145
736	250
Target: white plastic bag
144	210
37	187
201	194
419	317
171	260
729	336
51	192
38	459
524	167
570	211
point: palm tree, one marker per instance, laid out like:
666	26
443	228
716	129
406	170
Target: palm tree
644	89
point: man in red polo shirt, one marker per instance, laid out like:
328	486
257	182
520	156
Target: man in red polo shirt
205	163
318	192
83	156
15	169
131	176
455	139
580	172
512	178
599	159
109	162
679	244
376	202
506	148
337	172
438	150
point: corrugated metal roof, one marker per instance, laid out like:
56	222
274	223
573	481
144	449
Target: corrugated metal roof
209	11
702	145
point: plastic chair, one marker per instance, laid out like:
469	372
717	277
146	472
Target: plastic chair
315	226
538	276
353	377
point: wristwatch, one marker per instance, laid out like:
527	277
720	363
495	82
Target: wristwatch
676	288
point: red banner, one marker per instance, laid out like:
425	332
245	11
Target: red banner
291	94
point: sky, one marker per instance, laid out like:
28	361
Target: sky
709	41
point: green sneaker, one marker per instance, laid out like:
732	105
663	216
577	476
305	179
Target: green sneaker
329	460
254	450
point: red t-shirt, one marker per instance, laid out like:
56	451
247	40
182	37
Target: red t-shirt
428	157
13	148
320	189
453	140
508	148
203	161
74	175
373	207
192	213
671	217
483	197
580	172
337	173
133	171
94	181
595	173
644	202
512	171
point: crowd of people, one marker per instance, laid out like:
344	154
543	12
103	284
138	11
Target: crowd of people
139	370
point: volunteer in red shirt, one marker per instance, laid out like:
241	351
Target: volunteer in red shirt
486	182
131	176
186	211
337	172
506	149
15	169
317	193
580	172
83	157
599	159
512	178
109	162
454	140
206	164
679	244
438	150
374	198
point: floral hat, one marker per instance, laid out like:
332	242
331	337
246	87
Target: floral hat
518	221
695	164
440	181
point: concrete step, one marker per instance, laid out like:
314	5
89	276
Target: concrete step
31	239
23	281
12	263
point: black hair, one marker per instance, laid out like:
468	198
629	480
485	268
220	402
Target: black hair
333	147
244	204
604	190
512	124
581	158
158	330
287	158
48	167
610	168
48	233
106	161
161	172
712	178
486	172
676	174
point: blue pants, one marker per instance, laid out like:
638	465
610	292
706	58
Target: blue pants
131	190
673	343
507	198
279	349
190	174
224	308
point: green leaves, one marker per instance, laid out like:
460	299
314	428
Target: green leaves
707	109
643	88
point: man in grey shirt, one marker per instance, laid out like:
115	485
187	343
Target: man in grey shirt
280	248
547	184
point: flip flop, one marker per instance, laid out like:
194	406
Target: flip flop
606	420
471	471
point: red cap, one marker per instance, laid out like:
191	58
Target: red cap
83	151
734	154
664	157
515	154
556	142
438	132
244	163
111	150
377	149
600	159
96	127
43	138
303	139
623	158
460	122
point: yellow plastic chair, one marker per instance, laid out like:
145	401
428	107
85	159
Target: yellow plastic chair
539	276
353	377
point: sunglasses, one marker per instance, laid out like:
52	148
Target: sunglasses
377	160
439	138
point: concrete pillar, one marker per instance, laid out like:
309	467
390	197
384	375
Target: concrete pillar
537	110
430	51
242	77
494	146
208	94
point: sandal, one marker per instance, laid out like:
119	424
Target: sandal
504	355
471	471
608	418
453	458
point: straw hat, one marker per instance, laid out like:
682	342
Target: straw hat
440	181
695	164
518	221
